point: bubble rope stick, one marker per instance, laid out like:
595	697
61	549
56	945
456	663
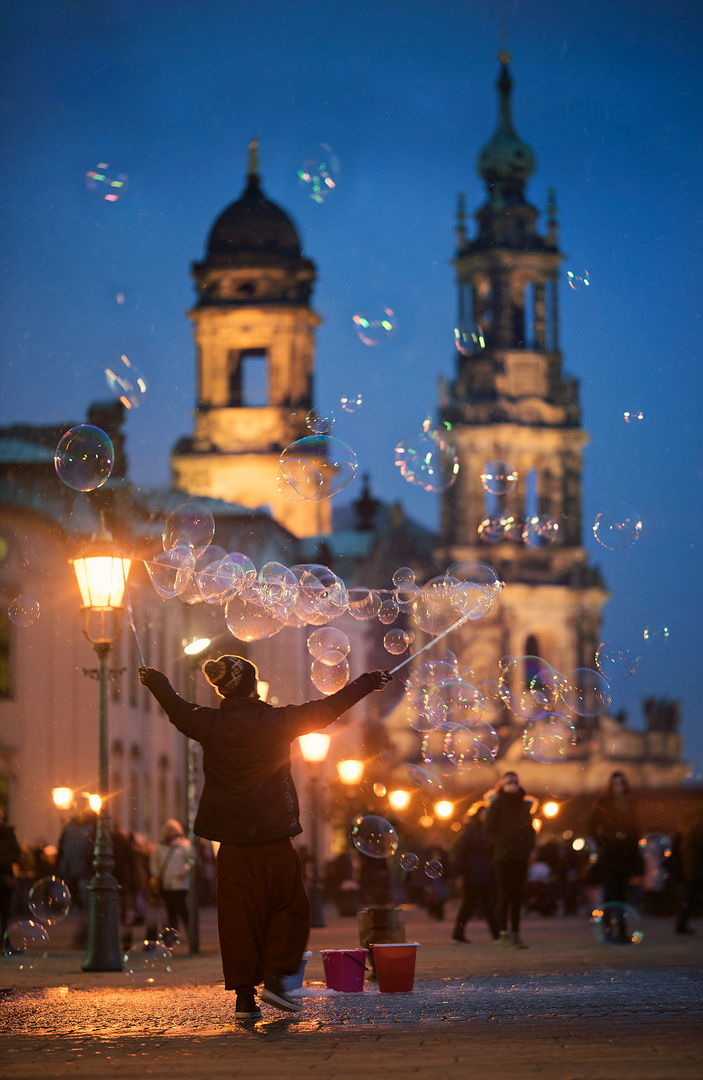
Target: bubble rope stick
454	626
130	616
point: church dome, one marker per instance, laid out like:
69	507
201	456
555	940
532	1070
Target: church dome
505	156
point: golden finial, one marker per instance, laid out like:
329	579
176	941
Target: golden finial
253	157
504	56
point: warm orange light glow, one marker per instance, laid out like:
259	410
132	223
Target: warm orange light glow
350	771
262	689
379	790
550	809
536	824
101	580
579	844
399	799
95	802
444	809
314	746
63	797
426	821
196	647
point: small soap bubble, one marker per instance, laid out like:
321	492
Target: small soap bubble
49	900
633	417
320	420
126	382
106	181
350	403
190	525
329	645
389	611
427	459
26	944
318	176
578	280
120	298
375	327
147	962
329	678
433	869
23	611
492	529
171	572
403	577
318	466
374	836
656	634
540	531
499	477
617	526
469	340
616	923
170	937
84	458
409	861
395	642
421	778
615	661
364	603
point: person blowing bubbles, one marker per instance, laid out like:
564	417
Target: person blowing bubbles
250	806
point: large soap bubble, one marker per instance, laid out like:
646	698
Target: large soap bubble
427	459
499	477
248	619
540	531
616	661
318	466
329	678
23	611
364	603
147	962
26	944
617	526
374	836
278	589
126	382
84	458
171	571
190	525
586	692
616	923
396	642
548	738
328	645
49	900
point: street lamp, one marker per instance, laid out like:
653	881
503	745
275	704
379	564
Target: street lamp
63	797
444	809
350	771
193	651
101	574
550	809
314	749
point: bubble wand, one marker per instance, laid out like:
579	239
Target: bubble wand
130	617
454	626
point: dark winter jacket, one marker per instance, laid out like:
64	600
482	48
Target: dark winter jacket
508	825
248	795
472	855
615	828
9	850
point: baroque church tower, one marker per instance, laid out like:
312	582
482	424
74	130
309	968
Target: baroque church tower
254	335
510	402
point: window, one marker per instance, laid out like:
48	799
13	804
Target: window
529	316
248	378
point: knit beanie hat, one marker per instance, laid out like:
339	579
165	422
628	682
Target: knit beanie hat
232	676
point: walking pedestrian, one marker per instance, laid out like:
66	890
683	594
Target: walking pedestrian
508	829
250	806
615	828
170	865
472	862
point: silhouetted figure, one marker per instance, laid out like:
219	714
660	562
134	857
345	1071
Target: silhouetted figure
9	855
472	862
508	829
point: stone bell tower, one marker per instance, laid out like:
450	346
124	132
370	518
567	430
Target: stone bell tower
510	401
254	337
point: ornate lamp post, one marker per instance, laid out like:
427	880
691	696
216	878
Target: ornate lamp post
102	576
193	651
314	749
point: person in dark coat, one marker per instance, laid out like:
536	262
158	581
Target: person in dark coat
250	806
615	828
508	830
9	855
472	862
691	855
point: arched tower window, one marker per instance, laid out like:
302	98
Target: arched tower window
532	665
531	493
529	337
550	315
248	378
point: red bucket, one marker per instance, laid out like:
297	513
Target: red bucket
344	969
395	966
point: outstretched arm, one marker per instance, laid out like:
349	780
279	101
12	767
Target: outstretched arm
187	717
319	714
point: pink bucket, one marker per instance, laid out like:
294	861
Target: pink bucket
344	969
395	966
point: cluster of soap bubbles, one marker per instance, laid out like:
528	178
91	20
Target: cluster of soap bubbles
23	611
433	868
427	459
126	382
84	458
106	182
499	478
375	327
26	941
319	466
617	526
318	176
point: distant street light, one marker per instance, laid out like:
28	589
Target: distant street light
444	809
399	799
350	771
314	749
550	809
102	574
63	797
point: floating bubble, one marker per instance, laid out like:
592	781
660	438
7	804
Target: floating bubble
492	529
395	642
329	645
320	420
147	962
364	603
421	778
170	937
548	738
528	685
469	340
219	575
106	181
318	455
319	174
433	869
350	403
656	634
374	836
442	748
464	702
120	298
409	861
322	596
616	662
329	678
278	589
513	525
84	458
26	944
427	460
586	692
126	382
403	577
578	280
617	526
171	571
540	531
374	328
437	605
248	620
190	525
499	477
49	900
615	923
493	703
486	740
633	417
23	611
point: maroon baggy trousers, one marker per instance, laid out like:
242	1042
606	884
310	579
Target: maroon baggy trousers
263	912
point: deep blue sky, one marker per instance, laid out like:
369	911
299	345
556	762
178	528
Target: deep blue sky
608	94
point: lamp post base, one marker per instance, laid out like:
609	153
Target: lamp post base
103	953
